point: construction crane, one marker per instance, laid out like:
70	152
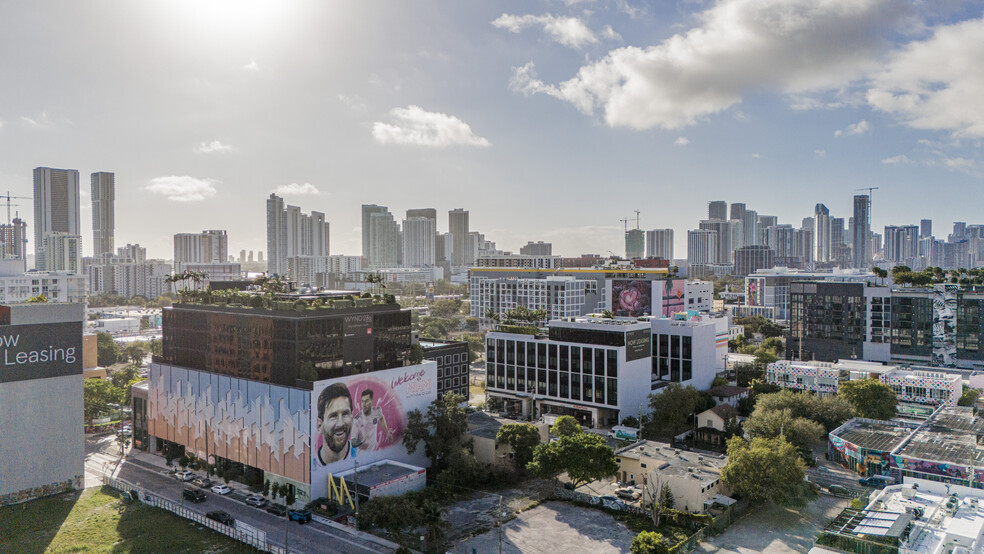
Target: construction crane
637	218
7	197
626	221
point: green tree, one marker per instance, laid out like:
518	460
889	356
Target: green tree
764	357
969	396
565	426
764	470
156	347
441	430
446	307
649	542
829	411
122	377
523	438
799	431
670	410
416	354
871	398
97	395
134	352
107	351
584	457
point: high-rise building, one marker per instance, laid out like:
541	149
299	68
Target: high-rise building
429	213
925	228
207	247
861	241
367	211
291	233
659	244
821	233
750	229
723	240
737	211
103	212
384	240
419	238
635	244
443	244
749	259
62	253
901	244
701	251
461	251
13	240
56	205
538	248
717	209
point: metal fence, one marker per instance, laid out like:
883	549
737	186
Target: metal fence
243	533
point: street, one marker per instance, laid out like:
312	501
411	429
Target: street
143	470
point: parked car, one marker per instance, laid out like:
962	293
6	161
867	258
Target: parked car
256	500
300	516
838	490
221	489
203	483
277	510
193	495
628	493
220	516
184	475
877	481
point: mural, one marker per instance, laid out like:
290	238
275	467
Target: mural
258	424
944	325
632	298
674	291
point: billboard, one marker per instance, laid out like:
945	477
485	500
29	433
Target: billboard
361	419
40	351
638	344
632	298
674	291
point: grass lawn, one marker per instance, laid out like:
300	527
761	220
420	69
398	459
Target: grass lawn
93	521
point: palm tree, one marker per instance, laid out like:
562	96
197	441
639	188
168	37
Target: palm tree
373	279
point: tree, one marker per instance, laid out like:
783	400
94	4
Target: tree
107	351
774	344
879	272
829	411
156	347
649	542
122	377
445	307
799	431
134	352
969	396
670	410
764	470
416	354
565	426
441	430
97	395
871	398
584	456
523	438
658	498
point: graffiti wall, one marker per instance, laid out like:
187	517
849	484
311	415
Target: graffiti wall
944	325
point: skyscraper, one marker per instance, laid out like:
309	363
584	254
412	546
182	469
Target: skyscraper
738	211
538	248
861	242
659	244
56	205
821	233
13	240
750	229
925	228
717	209
461	253
723	251
367	211
207	247
384	239
103	193
701	251
419	238
292	233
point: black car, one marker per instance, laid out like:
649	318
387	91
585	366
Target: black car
221	517
300	516
277	509
193	495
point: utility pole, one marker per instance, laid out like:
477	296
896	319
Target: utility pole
498	514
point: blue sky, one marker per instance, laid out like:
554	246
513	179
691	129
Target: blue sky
547	120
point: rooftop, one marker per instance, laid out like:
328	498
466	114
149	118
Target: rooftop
727	391
673	461
873	434
381	472
949	436
482	424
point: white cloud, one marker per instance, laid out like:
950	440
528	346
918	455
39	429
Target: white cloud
182	188
40	121
741	46
354	102
681	141
569	31
252	65
295	189
937	83
209	147
859	128
962	164
756	155
820	153
414	125
2	122
900	159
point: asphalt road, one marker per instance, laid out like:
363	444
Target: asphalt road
313	537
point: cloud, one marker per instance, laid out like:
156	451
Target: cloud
859	128
756	155
295	189
252	65
569	31
354	103
937	83
42	120
2	122
900	159
182	188
210	147
413	125
820	153
740	46
961	164
681	141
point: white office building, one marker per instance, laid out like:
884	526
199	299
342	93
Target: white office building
659	244
207	247
56	206
62	253
291	232
419	236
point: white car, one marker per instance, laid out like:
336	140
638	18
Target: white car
184	475
221	489
255	500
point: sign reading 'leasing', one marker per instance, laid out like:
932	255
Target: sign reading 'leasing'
40	351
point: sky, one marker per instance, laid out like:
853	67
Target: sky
547	120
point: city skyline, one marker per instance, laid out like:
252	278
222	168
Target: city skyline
198	127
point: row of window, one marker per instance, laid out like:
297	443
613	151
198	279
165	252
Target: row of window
541	355
453	370
450	382
556	384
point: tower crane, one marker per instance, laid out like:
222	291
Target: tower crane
7	198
